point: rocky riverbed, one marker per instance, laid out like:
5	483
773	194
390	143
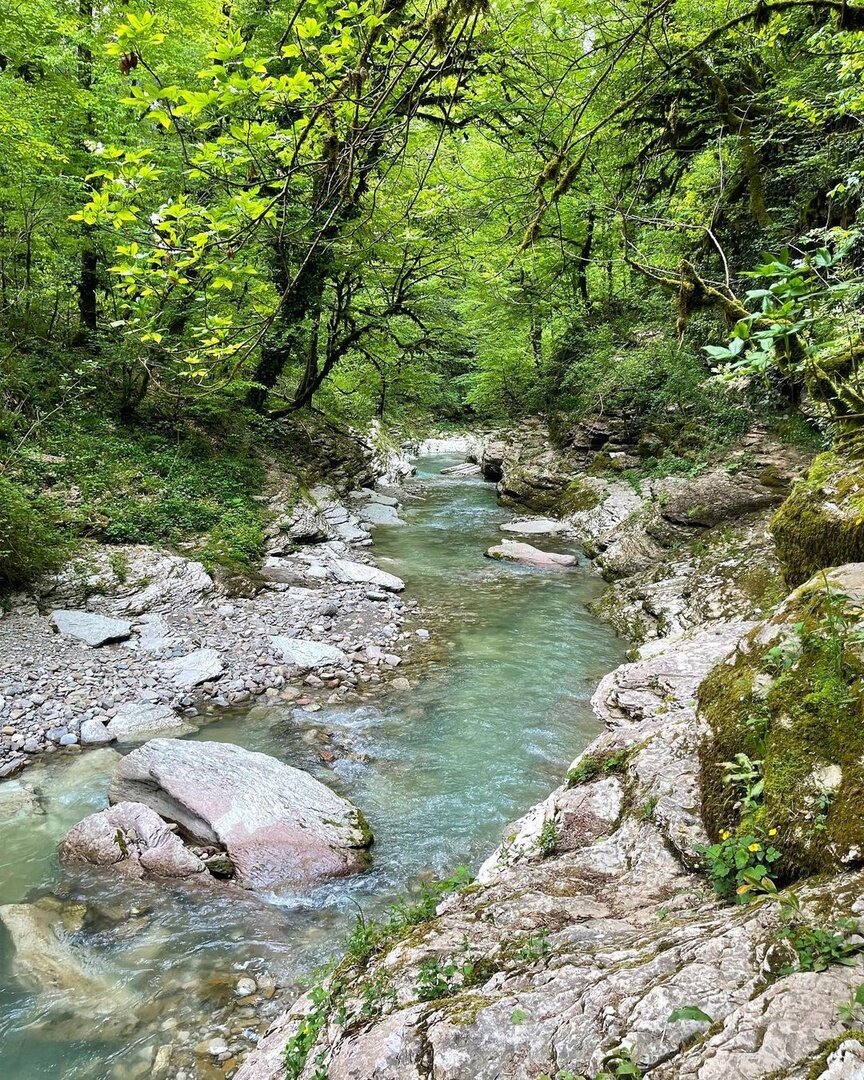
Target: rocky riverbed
129	642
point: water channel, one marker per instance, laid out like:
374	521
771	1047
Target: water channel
115	971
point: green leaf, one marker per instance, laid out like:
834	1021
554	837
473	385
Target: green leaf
689	1012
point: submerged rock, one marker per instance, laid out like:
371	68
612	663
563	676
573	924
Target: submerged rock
279	825
513	551
133	839
45	958
93	630
138	721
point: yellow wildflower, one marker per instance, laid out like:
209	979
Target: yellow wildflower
772	832
753	847
725	834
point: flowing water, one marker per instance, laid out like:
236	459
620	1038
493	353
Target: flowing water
107	972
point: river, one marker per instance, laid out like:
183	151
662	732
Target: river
115	971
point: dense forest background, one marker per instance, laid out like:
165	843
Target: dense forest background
228	227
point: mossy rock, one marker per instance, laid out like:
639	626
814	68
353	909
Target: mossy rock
579	497
793	697
822	522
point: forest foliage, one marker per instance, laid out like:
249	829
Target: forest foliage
215	218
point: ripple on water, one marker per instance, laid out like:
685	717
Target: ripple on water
438	772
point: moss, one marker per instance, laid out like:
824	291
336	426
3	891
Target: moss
799	720
579	497
822	522
827	1048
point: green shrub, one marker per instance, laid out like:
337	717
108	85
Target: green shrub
30	544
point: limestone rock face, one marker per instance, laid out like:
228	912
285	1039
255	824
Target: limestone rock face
93	630
135	577
513	551
133	839
279	825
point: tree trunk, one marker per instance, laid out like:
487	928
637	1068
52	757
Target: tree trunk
302	297
88	276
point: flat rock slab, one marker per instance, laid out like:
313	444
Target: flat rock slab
309	654
200	666
512	551
534	527
467	468
356	573
139	721
279	825
132	838
375	513
93	630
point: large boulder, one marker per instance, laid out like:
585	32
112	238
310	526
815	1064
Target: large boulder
194	668
790	699
717	496
822	521
133	839
280	826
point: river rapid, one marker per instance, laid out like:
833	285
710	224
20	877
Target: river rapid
119	979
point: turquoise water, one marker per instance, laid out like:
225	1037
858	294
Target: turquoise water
498	708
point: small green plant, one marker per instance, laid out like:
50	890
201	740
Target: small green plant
549	838
852	1010
745	774
817	948
689	1012
535	948
619	1063
377	994
297	1048
823	805
741	866
646	810
587	768
590	766
434	979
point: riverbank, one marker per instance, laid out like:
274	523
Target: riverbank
128	641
